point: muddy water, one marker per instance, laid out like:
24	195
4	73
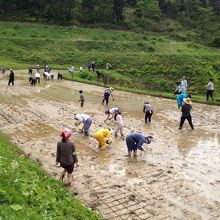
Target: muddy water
177	178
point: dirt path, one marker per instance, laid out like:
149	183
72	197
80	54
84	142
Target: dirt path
177	178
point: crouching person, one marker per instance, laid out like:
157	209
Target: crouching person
135	141
32	80
86	120
66	156
103	137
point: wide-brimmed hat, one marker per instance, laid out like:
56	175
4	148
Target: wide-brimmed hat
149	139
66	133
111	88
10	69
187	101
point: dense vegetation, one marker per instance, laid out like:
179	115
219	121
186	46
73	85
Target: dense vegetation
152	62
140	15
26	192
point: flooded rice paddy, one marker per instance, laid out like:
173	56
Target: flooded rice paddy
178	177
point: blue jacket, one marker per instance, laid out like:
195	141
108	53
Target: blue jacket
136	139
180	98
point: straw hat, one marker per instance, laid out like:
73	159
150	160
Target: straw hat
187	101
111	88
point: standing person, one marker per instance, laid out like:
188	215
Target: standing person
66	156
120	124
59	76
135	141
103	137
107	94
93	66
71	71
86	120
98	76
3	70
180	98
82	99
80	69
107	66
178	89
38	68
37	77
89	67
30	71
11	77
111	113
186	107
210	90
148	110
184	85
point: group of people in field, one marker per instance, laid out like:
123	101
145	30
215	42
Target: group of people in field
66	148
66	152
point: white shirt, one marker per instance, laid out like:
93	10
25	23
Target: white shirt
210	86
37	75
113	110
119	120
81	68
82	117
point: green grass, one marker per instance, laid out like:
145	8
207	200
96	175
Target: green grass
149	61
26	192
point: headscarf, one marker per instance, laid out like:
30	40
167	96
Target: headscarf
66	133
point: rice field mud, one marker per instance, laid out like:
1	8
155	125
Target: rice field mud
178	177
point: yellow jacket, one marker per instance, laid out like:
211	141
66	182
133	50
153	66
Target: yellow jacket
103	133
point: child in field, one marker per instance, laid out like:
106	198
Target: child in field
82	99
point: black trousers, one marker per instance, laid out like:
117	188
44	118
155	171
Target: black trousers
189	119
209	93
148	116
38	79
105	99
60	76
11	81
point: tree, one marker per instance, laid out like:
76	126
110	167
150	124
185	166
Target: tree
118	10
148	9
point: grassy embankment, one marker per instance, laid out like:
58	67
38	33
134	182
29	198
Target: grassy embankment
26	192
148	62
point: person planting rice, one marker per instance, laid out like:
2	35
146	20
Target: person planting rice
134	142
120	124
103	137
148	110
86	120
186	107
111	113
66	156
107	94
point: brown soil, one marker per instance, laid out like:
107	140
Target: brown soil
177	178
